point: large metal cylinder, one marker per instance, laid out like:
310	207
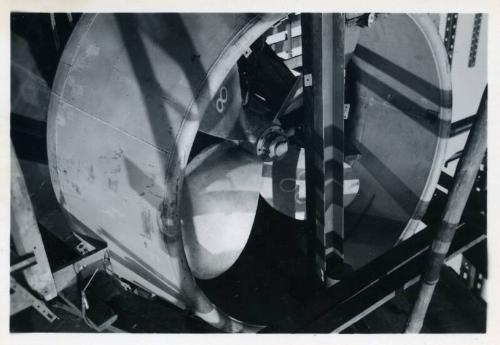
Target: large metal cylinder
128	99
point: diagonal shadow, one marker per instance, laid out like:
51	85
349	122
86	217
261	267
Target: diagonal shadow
144	185
129	26
396	187
423	87
426	118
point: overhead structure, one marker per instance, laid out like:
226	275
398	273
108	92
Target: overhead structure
164	128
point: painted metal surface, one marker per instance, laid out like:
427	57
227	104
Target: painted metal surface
399	89
324	61
468	81
225	117
380	81
128	99
126	105
284	184
218	207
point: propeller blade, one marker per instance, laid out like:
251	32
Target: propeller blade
224	117
256	90
219	203
228	118
284	184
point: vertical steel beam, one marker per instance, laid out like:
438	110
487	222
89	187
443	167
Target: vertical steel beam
323	64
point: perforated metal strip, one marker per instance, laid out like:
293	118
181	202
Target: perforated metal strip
22	298
478	17
449	34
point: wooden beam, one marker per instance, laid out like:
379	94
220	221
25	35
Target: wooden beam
469	164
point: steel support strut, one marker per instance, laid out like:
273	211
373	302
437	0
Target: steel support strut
323	59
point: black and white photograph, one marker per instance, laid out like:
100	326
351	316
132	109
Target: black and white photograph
248	172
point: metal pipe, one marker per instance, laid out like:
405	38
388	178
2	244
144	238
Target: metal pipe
474	151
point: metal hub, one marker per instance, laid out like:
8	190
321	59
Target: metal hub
272	144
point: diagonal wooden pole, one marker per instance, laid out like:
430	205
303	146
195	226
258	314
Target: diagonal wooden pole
465	176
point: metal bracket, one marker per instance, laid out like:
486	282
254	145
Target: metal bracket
347	108
83	247
323	48
20	299
247	52
449	35
308	80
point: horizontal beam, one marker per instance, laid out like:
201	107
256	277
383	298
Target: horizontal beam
23	262
463	125
354	297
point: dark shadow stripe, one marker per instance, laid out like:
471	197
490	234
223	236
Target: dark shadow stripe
333	136
335	170
332	259
267	170
317	175
28	147
423	87
421	209
320	212
427	118
333	239
319	247
334	193
145	186
461	126
29	138
396	188
20	123
320	251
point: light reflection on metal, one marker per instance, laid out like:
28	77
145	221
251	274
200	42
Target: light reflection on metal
218	207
